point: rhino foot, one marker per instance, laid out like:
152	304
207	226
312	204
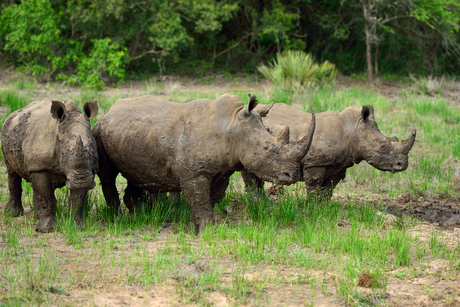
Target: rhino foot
46	224
13	210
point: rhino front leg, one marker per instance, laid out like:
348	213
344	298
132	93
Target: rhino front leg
219	189
46	202
76	205
14	206
252	182
314	178
197	192
330	183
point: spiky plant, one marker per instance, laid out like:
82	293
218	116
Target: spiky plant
294	69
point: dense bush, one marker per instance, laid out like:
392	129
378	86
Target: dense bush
91	43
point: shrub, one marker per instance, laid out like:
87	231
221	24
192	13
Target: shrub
294	70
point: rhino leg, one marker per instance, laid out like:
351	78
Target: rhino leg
330	183
252	182
133	198
174	197
14	206
218	190
108	176
197	191
44	196
77	202
314	178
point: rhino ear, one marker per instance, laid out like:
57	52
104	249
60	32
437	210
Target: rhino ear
90	108
58	110
249	107
367	112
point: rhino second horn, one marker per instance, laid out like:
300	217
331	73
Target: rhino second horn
407	144
283	139
300	148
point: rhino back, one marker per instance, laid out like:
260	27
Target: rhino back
29	138
329	140
153	142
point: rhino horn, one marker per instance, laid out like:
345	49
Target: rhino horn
300	148
407	144
283	139
79	155
263	110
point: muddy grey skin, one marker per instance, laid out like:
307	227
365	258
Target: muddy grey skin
194	147
50	145
340	141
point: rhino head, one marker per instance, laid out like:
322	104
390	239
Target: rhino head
77	153
270	158
383	153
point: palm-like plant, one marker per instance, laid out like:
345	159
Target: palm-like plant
295	69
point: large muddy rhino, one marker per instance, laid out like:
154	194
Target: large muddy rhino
49	143
194	147
340	141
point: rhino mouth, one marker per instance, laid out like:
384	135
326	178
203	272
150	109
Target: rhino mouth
80	180
287	177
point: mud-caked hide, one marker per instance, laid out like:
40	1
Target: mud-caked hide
49	143
192	147
366	142
341	140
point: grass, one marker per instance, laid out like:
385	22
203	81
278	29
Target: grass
317	249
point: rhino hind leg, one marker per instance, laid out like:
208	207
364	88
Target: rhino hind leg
133	199
108	176
14	206
46	202
197	191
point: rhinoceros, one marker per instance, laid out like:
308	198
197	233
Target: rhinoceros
340	141
49	144
194	147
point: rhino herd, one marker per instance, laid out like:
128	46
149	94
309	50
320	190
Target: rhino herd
193	148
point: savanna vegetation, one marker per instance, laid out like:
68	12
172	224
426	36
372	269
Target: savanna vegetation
367	246
90	43
290	251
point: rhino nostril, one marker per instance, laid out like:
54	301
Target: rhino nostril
398	164
287	174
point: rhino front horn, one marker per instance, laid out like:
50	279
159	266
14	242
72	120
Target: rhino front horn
300	148
407	144
79	155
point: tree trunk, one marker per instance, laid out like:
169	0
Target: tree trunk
368	44
376	65
376	56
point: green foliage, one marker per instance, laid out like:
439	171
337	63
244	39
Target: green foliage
32	31
295	69
105	58
445	13
92	43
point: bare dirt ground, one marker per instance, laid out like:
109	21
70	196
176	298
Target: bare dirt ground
440	215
